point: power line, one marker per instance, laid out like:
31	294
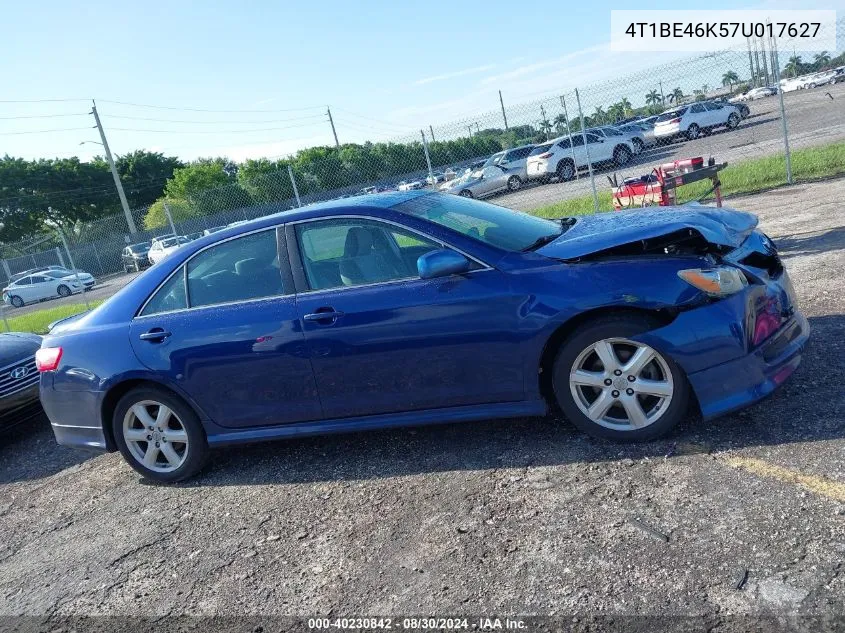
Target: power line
158	107
40	116
39	100
244	131
142	118
368	118
61	129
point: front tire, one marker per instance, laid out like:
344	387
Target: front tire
613	387
638	145
159	435
16	301
622	155
733	121
514	183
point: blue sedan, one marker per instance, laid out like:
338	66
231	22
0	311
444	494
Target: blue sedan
414	308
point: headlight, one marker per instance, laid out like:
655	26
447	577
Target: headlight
720	281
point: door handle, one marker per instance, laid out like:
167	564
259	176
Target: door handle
329	315
156	335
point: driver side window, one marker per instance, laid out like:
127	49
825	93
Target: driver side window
356	252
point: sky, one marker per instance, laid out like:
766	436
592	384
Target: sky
254	79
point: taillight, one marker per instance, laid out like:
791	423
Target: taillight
678	120
47	358
546	155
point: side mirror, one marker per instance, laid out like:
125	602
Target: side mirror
441	263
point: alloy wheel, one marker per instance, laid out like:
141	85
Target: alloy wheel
155	436
692	132
621	384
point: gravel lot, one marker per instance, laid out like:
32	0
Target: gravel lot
813	118
744	515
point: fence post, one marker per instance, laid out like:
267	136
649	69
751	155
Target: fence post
169	218
7	270
427	159
73	266
61	259
97	257
587	149
569	132
295	190
783	117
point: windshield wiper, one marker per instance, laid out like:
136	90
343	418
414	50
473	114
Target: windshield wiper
542	240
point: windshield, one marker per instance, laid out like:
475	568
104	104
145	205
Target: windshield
540	149
488	223
674	114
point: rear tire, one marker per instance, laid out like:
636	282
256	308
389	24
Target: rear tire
189	453
63	291
565	170
578	363
733	121
693	132
16	301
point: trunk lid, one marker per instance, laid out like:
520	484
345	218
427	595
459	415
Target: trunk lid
595	233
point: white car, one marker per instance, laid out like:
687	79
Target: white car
162	247
38	287
757	93
558	158
691	120
410	186
87	279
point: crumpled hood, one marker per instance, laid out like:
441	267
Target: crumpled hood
595	233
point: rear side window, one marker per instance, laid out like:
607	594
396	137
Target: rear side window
697	108
241	269
540	149
170	296
564	144
26	281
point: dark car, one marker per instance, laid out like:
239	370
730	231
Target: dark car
416	307
134	257
18	378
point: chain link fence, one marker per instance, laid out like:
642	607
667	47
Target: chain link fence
718	105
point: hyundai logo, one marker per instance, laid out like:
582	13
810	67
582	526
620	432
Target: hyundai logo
19	372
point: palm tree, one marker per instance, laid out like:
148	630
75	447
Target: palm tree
705	89
626	106
560	123
616	112
794	65
652	98
545	127
729	79
676	95
820	59
599	116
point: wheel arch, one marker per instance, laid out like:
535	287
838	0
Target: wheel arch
116	391
562	332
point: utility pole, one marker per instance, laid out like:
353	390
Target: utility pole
334	131
120	193
662	96
750	60
428	160
545	121
504	116
431	129
756	64
764	54
469	127
477	128
170	219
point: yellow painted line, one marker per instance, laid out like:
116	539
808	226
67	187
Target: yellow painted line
814	483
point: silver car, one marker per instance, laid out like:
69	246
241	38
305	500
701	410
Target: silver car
612	134
642	132
486	182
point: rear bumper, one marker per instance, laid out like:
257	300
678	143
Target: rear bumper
74	416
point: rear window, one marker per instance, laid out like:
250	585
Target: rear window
540	149
674	114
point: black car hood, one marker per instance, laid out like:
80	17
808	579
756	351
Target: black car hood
16	346
602	231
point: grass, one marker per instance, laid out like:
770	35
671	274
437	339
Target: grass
38	321
758	174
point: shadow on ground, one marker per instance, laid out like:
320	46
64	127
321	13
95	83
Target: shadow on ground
811	242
